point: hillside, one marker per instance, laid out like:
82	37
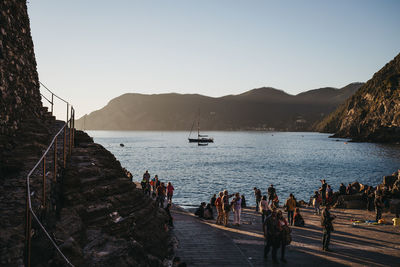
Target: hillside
373	112
262	108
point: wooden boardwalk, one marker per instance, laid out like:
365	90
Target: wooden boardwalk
203	243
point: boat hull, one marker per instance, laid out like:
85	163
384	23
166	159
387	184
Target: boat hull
201	140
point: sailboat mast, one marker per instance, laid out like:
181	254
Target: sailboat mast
198	126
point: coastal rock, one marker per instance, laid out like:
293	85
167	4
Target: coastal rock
373	112
112	222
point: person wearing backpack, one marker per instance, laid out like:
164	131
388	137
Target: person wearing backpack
284	234
327	225
271	235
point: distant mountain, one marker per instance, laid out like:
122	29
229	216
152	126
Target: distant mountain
373	112
258	109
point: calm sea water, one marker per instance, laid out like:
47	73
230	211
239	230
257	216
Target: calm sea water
239	161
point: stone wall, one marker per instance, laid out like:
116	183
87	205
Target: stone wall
19	83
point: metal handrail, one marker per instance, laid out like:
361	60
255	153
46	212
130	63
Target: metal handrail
52	99
29	210
53	93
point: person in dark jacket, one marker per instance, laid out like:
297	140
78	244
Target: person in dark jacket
370	198
378	207
327	225
342	189
212	201
271	193
243	201
323	191
200	210
271	235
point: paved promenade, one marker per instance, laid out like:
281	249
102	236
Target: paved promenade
203	243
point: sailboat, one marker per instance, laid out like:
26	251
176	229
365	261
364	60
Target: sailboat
201	140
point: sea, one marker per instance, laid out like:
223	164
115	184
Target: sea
294	162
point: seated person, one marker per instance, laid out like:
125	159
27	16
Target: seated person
243	201
200	210
208	212
298	219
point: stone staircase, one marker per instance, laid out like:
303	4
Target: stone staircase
19	154
105	220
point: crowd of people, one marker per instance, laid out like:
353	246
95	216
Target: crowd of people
158	191
276	227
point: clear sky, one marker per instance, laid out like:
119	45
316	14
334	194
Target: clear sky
94	50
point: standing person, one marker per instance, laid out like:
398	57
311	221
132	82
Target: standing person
237	209
146	181
213	199
226	207
349	190
154	183
284	234
342	189
378	207
271	234
218	204
329	193
290	206
271	193
316	203
326	223
264	208
275	201
146	176
160	195
323	191
257	195
370	198
170	192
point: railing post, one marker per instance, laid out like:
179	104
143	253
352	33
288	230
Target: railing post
67	113
44	182
28	231
52	103
55	159
73	130
65	146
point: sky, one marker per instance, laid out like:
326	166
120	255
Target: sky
91	51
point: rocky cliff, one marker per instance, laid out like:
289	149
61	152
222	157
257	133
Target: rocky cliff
373	112
105	220
258	109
